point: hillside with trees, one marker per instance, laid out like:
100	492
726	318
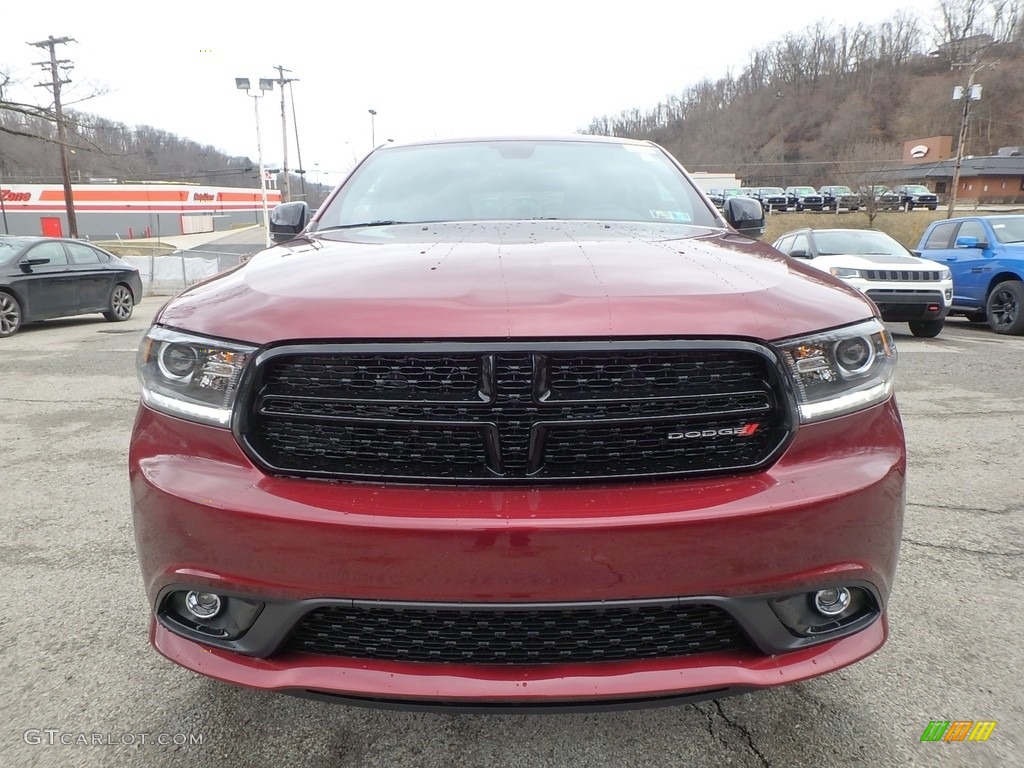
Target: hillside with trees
100	148
830	103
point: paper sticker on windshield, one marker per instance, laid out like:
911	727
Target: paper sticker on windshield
671	216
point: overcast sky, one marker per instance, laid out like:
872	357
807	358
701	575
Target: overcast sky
436	68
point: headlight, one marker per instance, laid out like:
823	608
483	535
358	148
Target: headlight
945	275
190	376
841	371
844	272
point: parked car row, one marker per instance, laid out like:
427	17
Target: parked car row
832	197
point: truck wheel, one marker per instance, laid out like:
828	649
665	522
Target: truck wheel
926	329
1005	308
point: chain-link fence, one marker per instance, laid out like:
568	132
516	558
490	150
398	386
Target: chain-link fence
166	273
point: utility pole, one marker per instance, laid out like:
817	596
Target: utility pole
298	148
971	93
282	81
62	131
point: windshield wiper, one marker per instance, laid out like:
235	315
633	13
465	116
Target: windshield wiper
377	223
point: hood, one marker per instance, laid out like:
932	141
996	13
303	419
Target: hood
875	261
503	280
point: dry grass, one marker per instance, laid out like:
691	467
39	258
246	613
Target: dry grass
905	227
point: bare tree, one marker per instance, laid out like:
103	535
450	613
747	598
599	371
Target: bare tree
868	170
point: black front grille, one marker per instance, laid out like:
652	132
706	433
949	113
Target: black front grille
504	635
498	413
904	275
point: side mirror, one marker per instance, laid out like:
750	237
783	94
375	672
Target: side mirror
287	220
27	264
745	215
800	253
967	241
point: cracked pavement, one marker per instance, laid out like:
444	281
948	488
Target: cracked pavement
74	655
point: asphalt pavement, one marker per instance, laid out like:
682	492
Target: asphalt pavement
79	684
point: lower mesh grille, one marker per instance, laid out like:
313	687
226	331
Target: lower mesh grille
549	635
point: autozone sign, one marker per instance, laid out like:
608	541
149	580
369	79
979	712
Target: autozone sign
15	197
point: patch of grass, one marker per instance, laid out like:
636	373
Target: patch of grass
907	228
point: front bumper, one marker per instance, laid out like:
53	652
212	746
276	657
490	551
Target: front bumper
901	304
828	512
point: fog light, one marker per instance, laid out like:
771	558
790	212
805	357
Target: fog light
832	602
205	605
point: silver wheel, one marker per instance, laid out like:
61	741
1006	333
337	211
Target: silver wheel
10	314
121	304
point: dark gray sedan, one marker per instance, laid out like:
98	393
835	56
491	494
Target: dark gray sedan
44	277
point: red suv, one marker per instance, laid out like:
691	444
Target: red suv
518	423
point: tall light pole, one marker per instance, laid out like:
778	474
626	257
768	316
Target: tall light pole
373	133
266	84
971	93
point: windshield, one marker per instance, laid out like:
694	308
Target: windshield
772	191
804	191
856	243
1008	229
918	189
516	180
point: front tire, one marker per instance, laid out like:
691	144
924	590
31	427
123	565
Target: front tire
1005	308
10	315
121	304
926	329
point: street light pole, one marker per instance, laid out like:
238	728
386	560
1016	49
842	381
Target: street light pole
373	133
242	83
971	93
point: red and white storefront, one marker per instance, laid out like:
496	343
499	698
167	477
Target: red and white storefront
126	211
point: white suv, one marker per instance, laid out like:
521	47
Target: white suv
904	287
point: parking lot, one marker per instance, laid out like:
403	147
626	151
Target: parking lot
82	687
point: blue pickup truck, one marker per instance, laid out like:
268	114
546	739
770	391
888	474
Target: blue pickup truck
986	256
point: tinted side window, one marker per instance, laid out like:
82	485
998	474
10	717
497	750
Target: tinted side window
785	244
940	236
84	254
801	244
52	251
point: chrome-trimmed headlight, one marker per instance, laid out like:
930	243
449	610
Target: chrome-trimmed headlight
840	371
846	272
190	376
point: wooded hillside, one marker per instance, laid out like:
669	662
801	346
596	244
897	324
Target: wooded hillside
824	104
